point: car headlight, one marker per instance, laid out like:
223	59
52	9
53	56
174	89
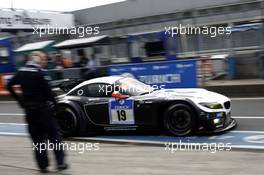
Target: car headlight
212	105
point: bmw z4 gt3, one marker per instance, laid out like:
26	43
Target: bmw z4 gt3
120	103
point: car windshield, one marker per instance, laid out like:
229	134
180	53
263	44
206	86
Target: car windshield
132	87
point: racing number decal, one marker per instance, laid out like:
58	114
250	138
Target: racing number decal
121	112
121	115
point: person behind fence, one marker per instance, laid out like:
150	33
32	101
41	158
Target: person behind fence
82	58
92	68
36	99
58	67
82	61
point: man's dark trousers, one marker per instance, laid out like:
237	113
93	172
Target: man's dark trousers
42	127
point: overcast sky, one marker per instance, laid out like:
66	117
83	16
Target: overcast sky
54	5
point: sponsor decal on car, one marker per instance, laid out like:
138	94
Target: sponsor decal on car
121	112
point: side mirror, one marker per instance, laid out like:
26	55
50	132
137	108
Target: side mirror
119	96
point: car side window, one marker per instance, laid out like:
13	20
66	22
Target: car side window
100	90
94	90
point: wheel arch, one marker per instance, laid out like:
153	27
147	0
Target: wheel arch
78	111
72	105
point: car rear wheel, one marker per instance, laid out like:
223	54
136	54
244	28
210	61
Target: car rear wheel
67	120
180	120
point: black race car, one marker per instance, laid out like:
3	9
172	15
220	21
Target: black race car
117	103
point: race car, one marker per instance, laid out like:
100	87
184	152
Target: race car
116	103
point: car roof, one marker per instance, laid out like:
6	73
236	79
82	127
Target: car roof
107	80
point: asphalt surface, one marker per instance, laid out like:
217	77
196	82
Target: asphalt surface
249	112
123	159
124	156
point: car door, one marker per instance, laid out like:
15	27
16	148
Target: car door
102	109
96	105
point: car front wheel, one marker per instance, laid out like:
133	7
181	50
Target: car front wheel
180	120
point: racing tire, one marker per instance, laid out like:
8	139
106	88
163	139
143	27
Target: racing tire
68	121
179	120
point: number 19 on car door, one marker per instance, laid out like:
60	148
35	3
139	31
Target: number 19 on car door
121	112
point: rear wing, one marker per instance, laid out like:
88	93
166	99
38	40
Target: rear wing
65	85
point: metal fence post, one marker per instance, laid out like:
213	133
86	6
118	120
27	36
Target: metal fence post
232	67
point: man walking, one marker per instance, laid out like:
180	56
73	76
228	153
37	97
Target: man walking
36	99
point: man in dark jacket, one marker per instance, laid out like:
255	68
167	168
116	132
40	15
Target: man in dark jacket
37	99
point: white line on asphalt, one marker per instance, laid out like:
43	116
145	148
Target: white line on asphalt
13	134
247	146
7	102
248	117
249	132
9	114
247	98
16	124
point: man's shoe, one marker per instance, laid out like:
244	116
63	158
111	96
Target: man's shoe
62	167
44	170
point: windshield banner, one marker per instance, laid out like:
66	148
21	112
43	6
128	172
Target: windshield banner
169	74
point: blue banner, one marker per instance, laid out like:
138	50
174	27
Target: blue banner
169	74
